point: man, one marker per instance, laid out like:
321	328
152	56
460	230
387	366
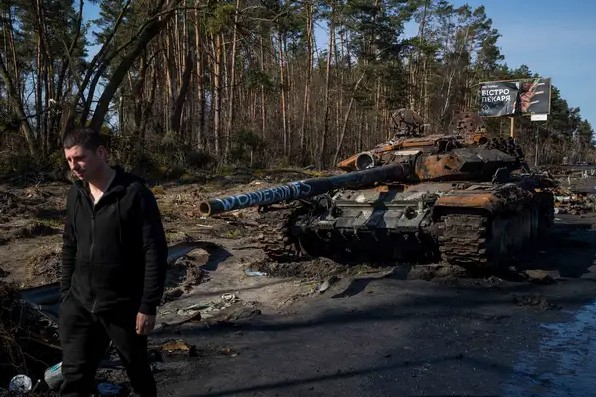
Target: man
113	268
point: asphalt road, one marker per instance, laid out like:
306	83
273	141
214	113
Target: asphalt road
397	337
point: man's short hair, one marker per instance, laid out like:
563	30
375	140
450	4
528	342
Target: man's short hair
86	137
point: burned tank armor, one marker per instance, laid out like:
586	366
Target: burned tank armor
462	199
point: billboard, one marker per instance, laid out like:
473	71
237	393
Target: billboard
498	98
513	97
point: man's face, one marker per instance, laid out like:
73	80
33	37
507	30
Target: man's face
85	164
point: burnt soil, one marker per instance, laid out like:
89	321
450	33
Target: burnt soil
235	324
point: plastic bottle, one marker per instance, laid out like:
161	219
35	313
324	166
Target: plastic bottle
53	376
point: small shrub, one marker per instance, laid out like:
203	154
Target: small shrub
162	159
247	149
158	189
232	234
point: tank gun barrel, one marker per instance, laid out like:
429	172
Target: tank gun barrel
304	189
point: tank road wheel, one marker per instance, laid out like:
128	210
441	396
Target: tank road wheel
462	241
478	243
275	226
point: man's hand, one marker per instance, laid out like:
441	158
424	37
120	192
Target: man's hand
145	323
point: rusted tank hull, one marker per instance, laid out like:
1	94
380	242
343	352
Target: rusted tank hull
461	198
477	227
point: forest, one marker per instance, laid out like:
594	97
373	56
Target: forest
182	86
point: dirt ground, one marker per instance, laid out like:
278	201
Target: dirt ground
235	323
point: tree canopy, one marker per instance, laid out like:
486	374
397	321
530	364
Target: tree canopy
270	82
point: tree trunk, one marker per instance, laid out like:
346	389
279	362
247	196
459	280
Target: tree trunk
263	110
176	118
346	118
330	50
232	90
282	83
308	81
149	31
217	90
200	89
17	105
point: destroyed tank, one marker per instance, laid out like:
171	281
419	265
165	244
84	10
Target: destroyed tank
462	199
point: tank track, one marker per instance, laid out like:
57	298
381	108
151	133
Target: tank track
275	237
462	240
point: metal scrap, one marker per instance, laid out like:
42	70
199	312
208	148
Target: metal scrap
177	346
570	202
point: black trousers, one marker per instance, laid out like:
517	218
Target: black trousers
85	338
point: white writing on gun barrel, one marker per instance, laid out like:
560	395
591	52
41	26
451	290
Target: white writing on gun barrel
291	191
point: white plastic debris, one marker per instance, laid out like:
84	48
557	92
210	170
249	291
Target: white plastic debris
20	384
53	376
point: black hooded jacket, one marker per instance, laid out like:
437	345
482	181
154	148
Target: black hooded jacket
114	252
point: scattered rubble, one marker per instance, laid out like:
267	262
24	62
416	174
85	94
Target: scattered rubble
11	356
318	269
576	190
28	339
176	346
542	276
568	202
537	302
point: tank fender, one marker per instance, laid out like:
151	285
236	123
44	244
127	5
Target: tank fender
477	201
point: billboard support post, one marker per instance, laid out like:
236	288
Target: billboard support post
511	127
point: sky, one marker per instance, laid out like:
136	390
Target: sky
554	38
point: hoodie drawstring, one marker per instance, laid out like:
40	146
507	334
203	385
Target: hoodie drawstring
76	210
119	222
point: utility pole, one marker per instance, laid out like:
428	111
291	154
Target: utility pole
536	147
535	118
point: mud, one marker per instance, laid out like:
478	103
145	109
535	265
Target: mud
314	269
185	273
563	364
534	301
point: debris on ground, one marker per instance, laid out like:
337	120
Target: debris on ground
569	202
537	302
227	351
327	284
576	190
20	384
11	354
109	389
28	334
254	273
213	309
318	269
182	276
53	376
542	276
45	262
437	272
176	346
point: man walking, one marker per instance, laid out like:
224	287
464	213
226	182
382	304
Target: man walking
113	268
